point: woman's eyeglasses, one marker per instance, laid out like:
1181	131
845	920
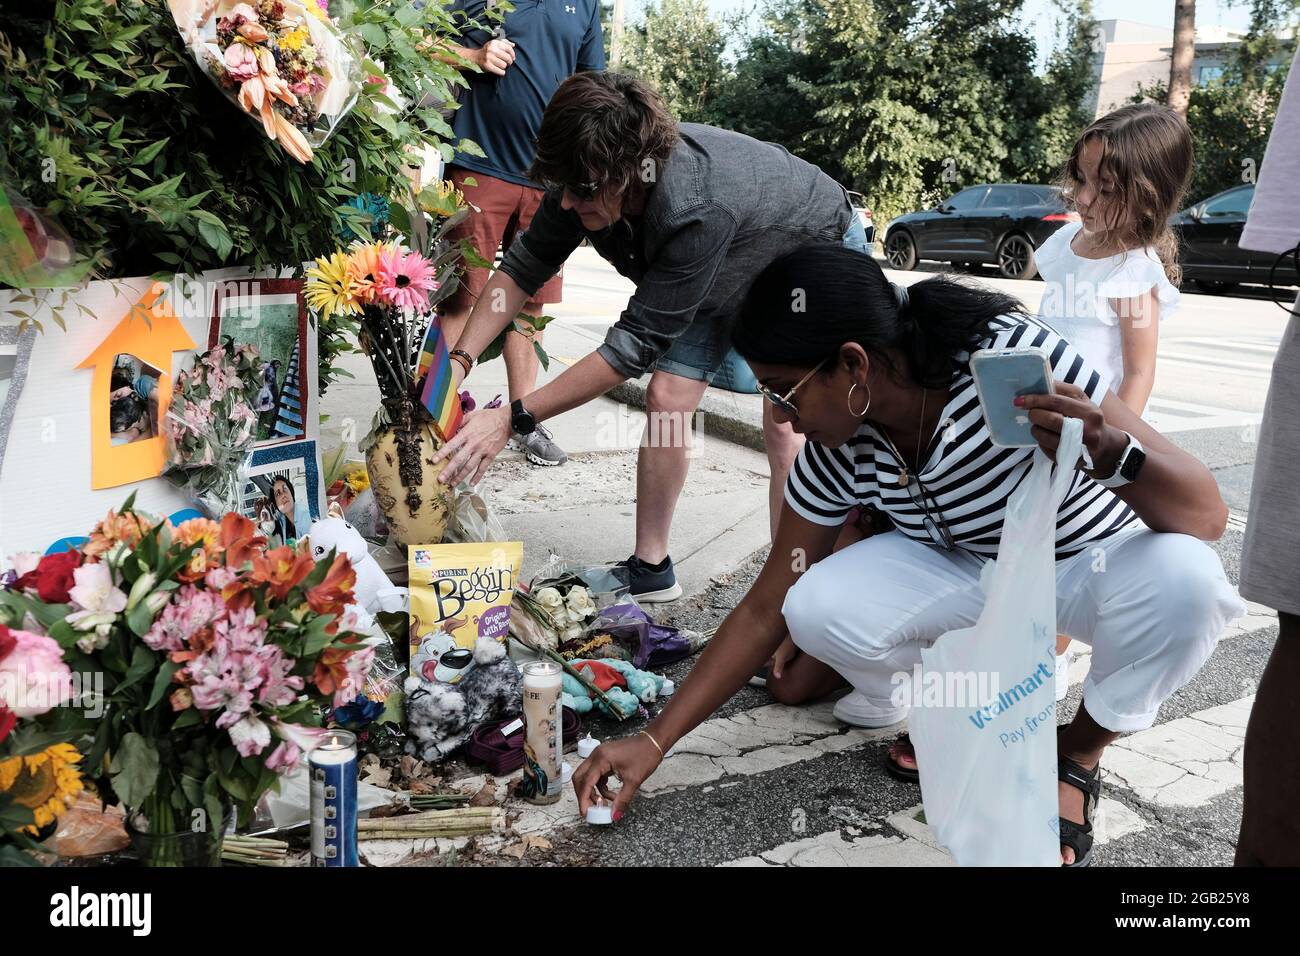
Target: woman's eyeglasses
934	524
783	401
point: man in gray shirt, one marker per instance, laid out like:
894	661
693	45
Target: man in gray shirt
689	213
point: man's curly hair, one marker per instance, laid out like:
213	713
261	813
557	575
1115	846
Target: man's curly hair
608	128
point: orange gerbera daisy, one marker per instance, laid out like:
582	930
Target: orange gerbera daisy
364	268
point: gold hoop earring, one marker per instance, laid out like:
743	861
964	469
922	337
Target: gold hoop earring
852	410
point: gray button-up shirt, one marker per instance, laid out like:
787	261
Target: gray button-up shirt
725	206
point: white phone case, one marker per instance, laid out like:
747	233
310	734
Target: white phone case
1009	427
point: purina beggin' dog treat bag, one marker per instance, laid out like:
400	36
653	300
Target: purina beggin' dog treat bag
459	593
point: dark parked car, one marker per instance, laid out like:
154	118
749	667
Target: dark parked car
999	224
1208	233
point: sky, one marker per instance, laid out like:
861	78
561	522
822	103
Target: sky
1042	13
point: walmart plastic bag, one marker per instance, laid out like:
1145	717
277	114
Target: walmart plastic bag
988	765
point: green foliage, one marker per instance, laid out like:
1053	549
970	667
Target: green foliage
905	102
1231	117
678	48
109	124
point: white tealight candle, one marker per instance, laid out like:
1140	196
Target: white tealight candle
587	746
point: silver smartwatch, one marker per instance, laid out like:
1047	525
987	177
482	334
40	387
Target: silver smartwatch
1130	463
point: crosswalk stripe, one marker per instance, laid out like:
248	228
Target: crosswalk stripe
1215	362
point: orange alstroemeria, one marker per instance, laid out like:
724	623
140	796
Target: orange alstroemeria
281	570
331	668
128	528
335	592
239	540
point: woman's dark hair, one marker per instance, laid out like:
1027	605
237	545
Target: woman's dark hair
125	411
608	128
809	302
287	483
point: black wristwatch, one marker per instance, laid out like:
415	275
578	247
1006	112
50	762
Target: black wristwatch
521	419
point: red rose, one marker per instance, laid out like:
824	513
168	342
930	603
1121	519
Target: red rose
52	578
7	720
7	642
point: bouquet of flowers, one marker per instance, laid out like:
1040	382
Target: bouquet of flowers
217	657
284	62
39	772
212	424
390	289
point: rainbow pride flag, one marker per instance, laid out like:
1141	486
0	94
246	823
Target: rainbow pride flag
437	393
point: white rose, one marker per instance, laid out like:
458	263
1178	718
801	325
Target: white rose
580	603
573	632
550	598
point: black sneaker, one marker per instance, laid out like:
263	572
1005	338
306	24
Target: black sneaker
651	584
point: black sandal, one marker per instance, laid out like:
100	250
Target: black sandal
897	770
1078	836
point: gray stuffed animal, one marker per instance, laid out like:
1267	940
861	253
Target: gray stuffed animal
440	717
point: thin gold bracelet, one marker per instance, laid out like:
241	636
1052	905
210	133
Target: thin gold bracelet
655	742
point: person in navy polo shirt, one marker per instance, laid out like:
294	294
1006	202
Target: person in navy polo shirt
538	45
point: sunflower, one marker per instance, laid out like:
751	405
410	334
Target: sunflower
47	783
358	479
331	290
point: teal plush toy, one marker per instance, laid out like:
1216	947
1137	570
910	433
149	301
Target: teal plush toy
643	687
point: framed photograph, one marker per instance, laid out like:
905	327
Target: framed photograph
15	353
282	491
271	315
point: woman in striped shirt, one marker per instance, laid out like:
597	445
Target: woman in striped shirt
876	378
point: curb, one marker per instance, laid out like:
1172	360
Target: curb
718	415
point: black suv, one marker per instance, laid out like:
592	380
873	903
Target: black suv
1208	233
997	223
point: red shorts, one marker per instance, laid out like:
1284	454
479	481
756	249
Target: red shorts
506	209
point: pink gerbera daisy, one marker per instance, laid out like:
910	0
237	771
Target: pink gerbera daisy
405	280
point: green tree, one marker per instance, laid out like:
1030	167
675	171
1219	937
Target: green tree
678	47
1231	117
908	101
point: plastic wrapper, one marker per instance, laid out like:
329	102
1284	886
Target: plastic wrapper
282	62
634	633
291	807
35	250
88	829
561	603
472	520
211	426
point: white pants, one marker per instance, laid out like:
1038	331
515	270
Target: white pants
1151	605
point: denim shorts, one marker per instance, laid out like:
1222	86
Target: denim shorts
699	352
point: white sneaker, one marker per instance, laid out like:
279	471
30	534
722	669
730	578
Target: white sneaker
1063	675
857	711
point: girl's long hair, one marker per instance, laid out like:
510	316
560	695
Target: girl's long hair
1147	150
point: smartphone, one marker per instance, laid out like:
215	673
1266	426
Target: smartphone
1000	376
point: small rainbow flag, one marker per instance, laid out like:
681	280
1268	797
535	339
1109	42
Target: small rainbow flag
437	394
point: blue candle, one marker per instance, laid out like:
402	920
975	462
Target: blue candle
333	768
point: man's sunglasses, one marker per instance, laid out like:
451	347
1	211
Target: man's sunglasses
783	401
584	191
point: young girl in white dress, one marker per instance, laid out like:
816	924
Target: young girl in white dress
1112	277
